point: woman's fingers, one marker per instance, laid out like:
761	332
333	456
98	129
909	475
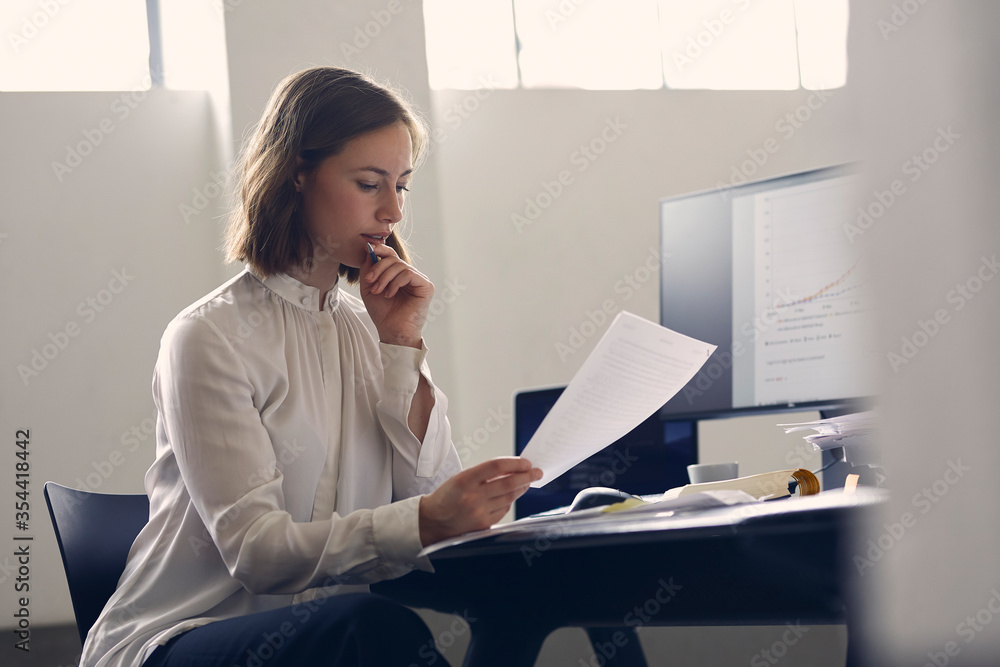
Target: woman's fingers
372	270
513	485
502	479
391	274
475	498
399	276
498	467
400	315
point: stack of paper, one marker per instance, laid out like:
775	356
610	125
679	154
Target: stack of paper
854	432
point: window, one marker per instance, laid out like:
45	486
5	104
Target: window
74	45
67	45
471	44
630	44
595	45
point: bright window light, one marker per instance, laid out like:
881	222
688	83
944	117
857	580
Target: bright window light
470	45
194	44
592	45
62	45
629	44
726	45
822	40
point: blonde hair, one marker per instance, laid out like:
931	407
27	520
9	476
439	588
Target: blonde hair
311	115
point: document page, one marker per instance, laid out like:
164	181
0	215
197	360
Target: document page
636	367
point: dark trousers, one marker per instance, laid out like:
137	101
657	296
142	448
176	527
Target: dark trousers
354	630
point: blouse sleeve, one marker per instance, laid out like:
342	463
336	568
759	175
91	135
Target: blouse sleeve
417	467
227	461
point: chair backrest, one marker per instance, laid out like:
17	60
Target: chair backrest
95	532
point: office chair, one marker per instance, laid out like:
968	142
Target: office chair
95	532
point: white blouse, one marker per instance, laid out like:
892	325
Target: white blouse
284	464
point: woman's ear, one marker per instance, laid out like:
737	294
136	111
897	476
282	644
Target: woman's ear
300	174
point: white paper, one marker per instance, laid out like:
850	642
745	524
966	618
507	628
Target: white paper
636	367
554	523
854	432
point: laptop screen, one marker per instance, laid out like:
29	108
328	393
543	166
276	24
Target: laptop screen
650	459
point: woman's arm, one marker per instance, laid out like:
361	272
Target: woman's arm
413	414
228	464
397	298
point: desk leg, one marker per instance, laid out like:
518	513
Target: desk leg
500	645
619	647
858	651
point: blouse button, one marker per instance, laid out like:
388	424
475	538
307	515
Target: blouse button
305	301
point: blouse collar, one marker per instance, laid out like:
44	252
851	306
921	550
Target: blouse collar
298	293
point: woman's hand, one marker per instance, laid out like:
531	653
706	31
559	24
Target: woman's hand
397	297
475	498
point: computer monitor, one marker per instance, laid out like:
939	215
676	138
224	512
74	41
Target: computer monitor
770	272
650	459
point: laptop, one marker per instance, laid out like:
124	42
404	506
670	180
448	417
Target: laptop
650	459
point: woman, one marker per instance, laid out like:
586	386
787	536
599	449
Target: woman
302	448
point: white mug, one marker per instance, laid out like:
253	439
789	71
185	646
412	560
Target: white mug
712	472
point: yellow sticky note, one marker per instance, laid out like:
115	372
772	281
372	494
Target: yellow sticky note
626	504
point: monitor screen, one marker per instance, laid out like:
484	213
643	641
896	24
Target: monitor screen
769	272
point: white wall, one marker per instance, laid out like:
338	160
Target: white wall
94	262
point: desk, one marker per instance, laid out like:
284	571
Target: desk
774	563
